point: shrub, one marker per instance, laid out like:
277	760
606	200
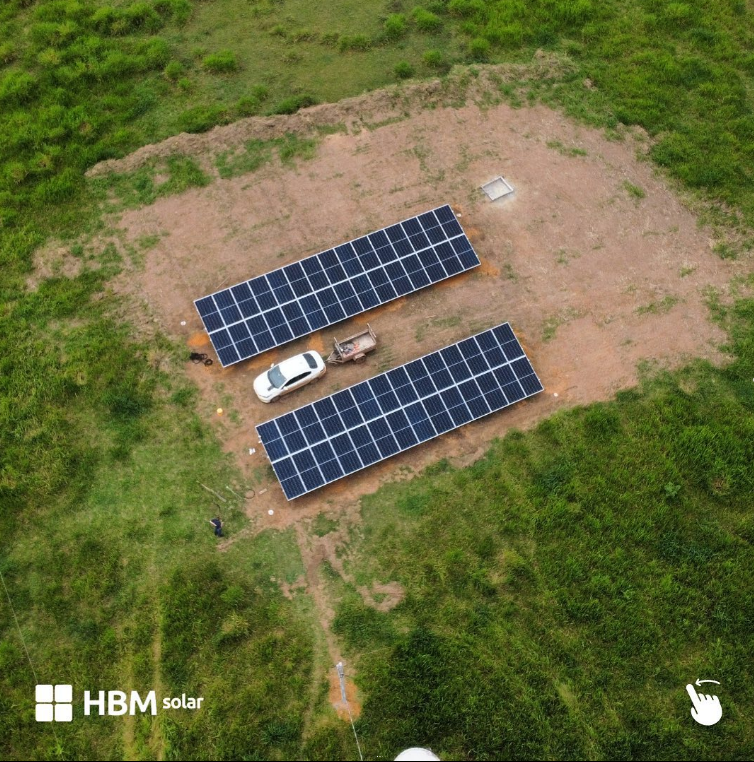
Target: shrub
508	35
546	35
173	71
574	11
138	17
7	53
330	39
142	17
49	58
479	49
294	103
434	59
250	104
201	118
179	10
44	34
678	15
103	19
156	52
354	42
117	65
247	106
426	20
17	88
404	70
221	62
468	8
395	26
260	92
303	35
16	172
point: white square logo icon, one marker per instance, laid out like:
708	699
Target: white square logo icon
63	712
54	703
44	712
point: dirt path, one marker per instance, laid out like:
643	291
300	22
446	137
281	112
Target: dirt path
594	261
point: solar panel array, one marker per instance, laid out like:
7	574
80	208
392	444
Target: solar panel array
265	312
354	428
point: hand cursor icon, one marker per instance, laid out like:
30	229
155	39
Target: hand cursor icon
706	709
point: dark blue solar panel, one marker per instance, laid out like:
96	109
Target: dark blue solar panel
213	321
387	446
375	419
336	284
332	425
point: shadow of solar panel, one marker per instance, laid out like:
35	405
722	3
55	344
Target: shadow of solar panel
336	284
394	411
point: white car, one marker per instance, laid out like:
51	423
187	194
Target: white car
290	374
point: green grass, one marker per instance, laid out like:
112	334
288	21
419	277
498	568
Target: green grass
257	153
110	561
634	191
452	321
135	189
556	608
558	146
659	307
551	324
323	525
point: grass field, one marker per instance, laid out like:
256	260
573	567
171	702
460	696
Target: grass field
582	573
590	592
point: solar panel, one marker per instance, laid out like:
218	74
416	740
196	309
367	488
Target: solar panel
353	428
247	319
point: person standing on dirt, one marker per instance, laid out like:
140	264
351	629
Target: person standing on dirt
217	523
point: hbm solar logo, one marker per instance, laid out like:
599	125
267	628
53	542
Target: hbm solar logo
55	703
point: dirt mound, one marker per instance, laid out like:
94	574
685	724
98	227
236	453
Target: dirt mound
363	111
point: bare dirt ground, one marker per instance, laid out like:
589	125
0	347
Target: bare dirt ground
593	276
592	279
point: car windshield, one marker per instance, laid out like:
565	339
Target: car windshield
310	361
277	379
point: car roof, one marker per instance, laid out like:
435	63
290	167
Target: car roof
295	366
